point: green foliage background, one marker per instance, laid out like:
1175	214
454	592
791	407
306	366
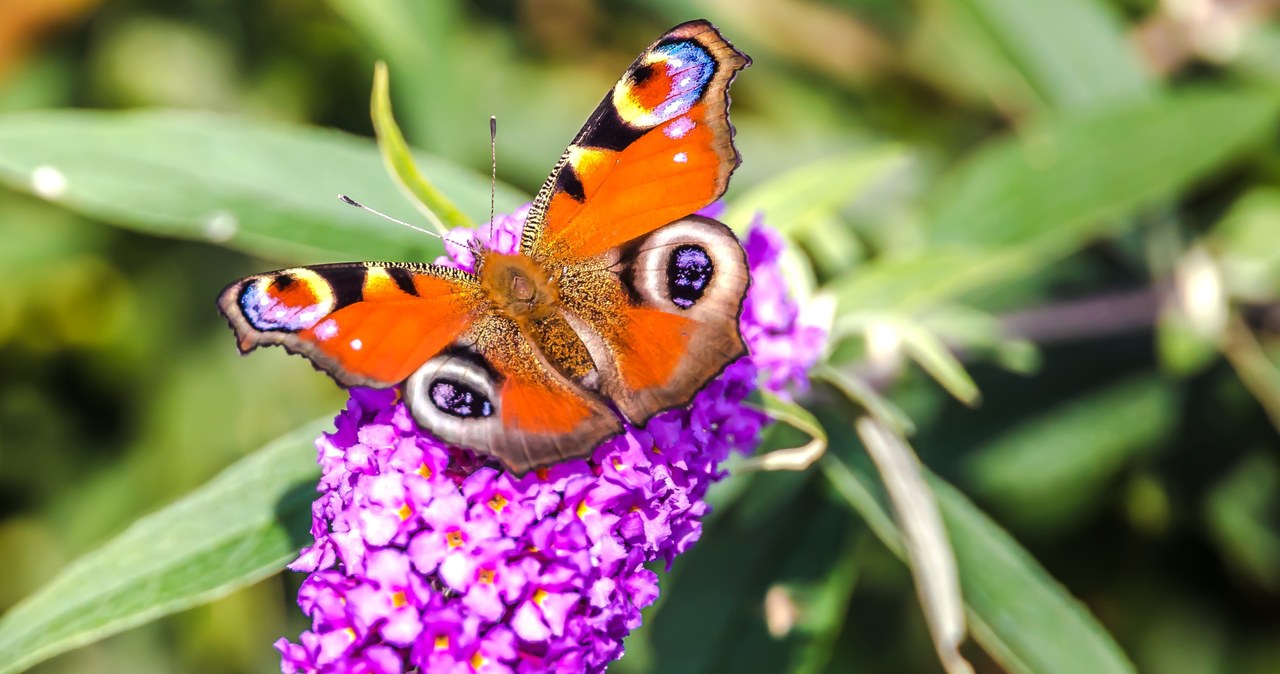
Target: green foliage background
1079	199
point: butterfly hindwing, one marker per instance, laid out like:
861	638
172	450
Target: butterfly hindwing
494	392
662	319
657	148
366	324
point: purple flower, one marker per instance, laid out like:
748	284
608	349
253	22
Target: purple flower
428	558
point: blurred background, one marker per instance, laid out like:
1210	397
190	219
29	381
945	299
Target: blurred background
1126	434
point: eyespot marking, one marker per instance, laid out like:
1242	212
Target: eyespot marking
291	301
459	400
689	272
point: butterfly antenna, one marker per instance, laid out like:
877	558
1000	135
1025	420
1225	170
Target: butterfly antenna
493	163
352	202
475	245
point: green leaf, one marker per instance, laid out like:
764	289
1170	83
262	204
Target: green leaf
1073	53
806	195
1023	618
240	528
924	540
867	397
1067	181
1239	513
1017	205
931	354
266	189
1071	451
399	161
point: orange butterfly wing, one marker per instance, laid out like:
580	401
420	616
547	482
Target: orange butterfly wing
657	148
366	324
495	392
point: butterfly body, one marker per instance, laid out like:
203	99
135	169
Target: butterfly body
618	303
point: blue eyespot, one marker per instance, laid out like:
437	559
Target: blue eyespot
689	272
459	400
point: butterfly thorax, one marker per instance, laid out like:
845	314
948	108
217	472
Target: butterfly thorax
518	286
522	290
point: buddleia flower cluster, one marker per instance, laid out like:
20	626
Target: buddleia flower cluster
428	558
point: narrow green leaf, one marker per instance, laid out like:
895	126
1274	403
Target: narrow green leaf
241	527
1023	618
867	397
399	161
931	354
929	554
1239	513
266	189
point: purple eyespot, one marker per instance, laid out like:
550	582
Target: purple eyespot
459	400
689	272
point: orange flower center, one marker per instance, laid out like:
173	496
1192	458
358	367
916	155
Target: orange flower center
454	538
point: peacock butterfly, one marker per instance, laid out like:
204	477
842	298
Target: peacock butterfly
619	304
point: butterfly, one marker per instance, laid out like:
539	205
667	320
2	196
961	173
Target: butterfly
620	303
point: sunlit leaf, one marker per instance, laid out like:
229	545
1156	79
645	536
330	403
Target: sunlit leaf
931	354
241	527
266	189
1020	203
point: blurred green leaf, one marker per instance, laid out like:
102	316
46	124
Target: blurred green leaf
399	160
1240	513
1016	205
1183	351
241	527
266	189
1071	451
805	195
928	350
867	397
923	538
1245	244
420	40
1022	617
1066	181
1073	53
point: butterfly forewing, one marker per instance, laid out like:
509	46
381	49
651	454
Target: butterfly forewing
657	148
367	324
